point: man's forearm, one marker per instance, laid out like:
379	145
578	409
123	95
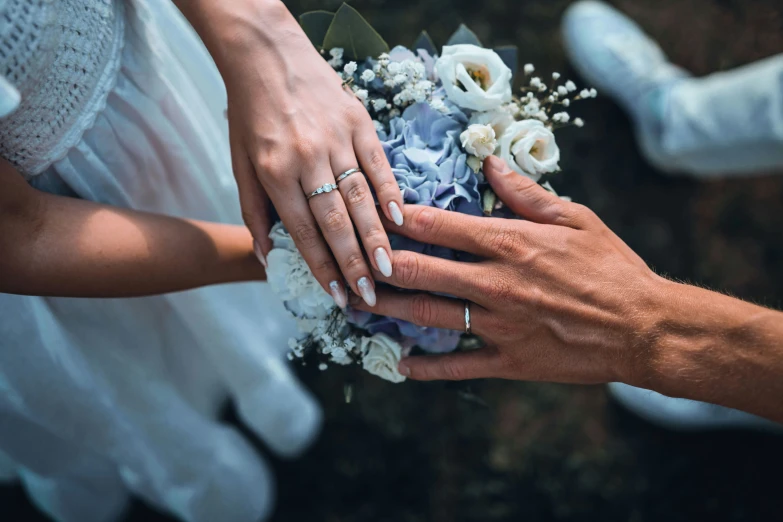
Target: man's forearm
710	347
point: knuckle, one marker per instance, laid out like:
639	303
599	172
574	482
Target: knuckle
422	310
354	261
388	188
266	164
335	221
306	235
324	267
504	240
376	160
576	213
357	193
452	370
355	113
426	221
308	149
374	234
407	269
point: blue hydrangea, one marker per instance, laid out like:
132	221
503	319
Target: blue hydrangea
423	149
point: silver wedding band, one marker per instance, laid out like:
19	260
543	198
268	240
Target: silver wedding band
323	189
467	318
346	174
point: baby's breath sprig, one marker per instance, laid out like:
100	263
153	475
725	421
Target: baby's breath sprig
546	103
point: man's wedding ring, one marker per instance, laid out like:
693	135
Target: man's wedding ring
467	318
346	174
324	189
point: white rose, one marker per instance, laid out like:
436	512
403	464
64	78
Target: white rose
530	149
474	78
479	140
499	120
381	357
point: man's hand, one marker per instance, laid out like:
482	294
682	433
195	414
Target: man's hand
557	297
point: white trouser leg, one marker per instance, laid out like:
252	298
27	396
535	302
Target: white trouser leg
728	123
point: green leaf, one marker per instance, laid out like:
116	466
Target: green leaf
463	35
425	42
315	24
351	31
509	53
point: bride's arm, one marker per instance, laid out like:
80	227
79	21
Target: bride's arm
58	246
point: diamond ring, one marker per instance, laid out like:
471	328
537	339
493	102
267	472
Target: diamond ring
324	189
467	317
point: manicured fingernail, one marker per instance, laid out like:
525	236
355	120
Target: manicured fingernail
396	213
366	290
259	254
403	369
384	263
338	294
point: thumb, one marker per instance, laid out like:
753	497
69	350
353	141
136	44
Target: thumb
522	195
477	364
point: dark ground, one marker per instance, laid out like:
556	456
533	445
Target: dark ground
418	452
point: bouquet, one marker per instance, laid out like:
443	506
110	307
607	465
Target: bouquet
438	116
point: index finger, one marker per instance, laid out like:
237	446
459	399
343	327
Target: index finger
415	271
482	236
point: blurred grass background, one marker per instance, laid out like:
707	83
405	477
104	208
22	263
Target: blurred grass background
421	452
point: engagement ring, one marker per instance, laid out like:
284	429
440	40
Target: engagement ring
326	188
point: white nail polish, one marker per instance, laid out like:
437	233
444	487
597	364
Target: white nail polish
338	294
396	213
384	263
366	291
259	254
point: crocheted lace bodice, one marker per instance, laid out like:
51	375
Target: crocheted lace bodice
58	62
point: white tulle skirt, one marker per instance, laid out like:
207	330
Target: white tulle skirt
100	399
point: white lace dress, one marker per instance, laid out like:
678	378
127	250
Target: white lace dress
117	101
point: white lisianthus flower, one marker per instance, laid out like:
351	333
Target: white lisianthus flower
291	278
530	149
381	357
479	140
474	78
499	120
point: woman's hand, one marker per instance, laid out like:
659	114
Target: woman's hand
293	129
558	297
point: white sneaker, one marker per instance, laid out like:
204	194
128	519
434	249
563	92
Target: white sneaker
616	57
684	414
